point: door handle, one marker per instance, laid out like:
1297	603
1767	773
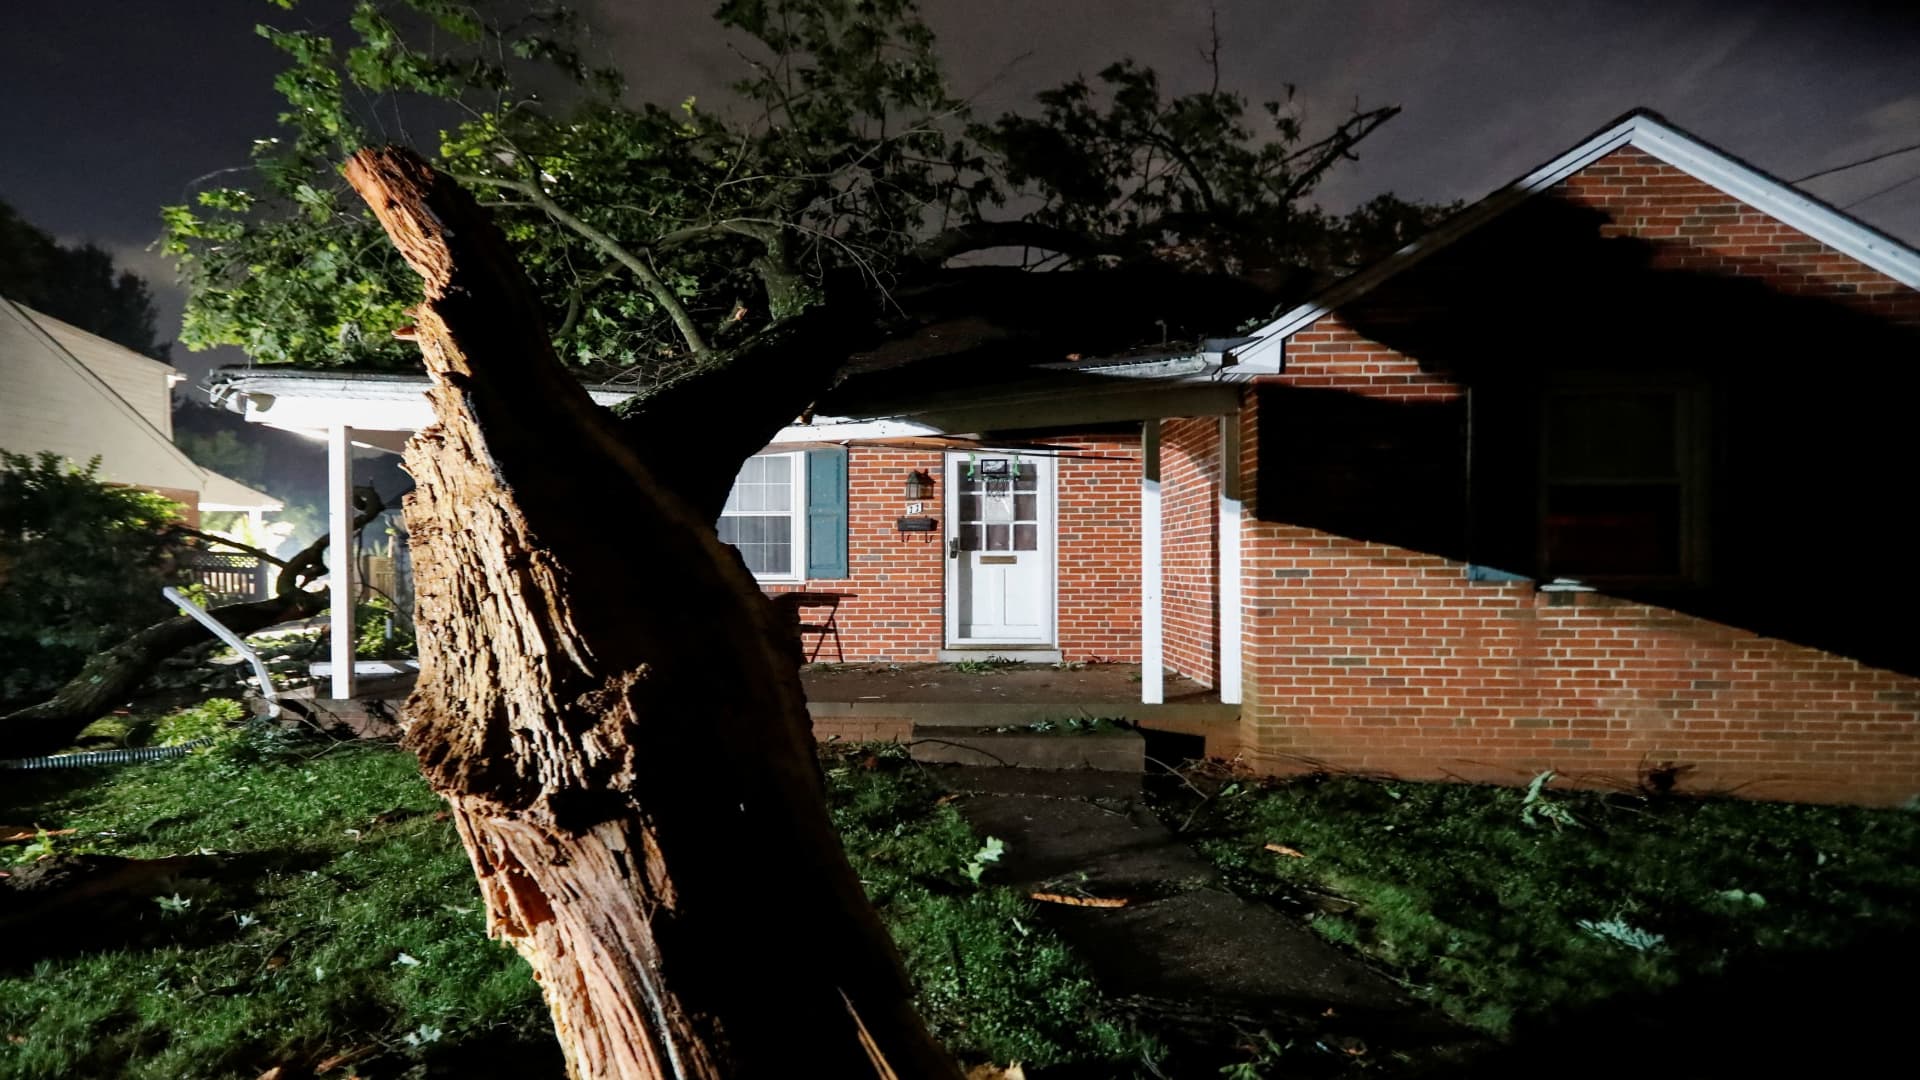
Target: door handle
953	548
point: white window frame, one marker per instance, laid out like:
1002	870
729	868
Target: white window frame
796	512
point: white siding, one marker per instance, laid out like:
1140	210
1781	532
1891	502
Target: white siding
50	401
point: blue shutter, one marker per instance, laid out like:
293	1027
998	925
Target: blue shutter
827	513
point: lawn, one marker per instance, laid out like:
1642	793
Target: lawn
1536	914
330	915
326	916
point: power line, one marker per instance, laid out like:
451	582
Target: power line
1895	186
1856	164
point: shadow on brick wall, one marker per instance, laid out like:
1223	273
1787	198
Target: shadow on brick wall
1801	428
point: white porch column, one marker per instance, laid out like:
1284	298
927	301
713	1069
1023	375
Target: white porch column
340	555
1152	661
1229	586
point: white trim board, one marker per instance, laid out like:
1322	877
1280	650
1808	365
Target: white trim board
1644	131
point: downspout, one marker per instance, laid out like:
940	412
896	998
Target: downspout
233	641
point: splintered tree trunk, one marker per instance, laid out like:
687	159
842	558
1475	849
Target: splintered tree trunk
616	723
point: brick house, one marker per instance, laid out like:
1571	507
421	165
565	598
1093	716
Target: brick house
1606	475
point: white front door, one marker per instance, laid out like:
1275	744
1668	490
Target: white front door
999	549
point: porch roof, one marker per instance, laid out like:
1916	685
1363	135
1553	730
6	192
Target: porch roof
313	401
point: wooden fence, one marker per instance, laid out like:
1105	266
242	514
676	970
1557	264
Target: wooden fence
229	576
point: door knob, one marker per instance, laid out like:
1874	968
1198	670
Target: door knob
953	548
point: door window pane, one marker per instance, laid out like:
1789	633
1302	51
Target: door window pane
999	512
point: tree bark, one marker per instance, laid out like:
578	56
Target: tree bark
611	714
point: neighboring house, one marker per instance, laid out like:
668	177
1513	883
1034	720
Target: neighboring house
81	396
1608	475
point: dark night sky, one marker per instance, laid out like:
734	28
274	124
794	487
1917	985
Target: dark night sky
114	107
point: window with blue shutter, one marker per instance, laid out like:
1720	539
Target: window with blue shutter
826	546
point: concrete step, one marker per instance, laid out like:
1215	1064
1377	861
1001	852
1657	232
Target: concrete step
1119	750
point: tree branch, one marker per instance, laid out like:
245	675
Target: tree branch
1335	147
112	676
983	235
625	256
182	530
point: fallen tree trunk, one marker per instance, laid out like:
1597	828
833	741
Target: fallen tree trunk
610	713
109	678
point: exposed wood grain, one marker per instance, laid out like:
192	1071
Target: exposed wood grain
613	717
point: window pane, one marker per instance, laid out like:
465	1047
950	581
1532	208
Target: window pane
969	537
779	484
764	485
1613	435
1026	507
1627	530
969	507
765	543
1026	538
997	538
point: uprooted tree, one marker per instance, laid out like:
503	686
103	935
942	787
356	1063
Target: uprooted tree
697	922
724	262
682	921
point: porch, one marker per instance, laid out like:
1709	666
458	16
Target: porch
897	702
1121	563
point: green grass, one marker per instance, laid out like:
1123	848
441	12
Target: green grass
1505	913
992	984
345	916
342	914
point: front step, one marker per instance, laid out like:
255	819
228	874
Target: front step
1118	750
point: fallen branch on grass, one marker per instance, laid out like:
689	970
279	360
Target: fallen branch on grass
1080	901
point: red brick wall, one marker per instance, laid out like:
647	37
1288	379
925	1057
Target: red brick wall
1099	560
894	609
1366	656
893	606
1190	494
1703	229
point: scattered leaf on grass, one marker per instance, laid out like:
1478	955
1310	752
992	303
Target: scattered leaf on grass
1282	849
1080	901
991	1071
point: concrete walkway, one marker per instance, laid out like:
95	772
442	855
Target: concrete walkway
1186	954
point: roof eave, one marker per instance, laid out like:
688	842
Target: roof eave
1643	130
